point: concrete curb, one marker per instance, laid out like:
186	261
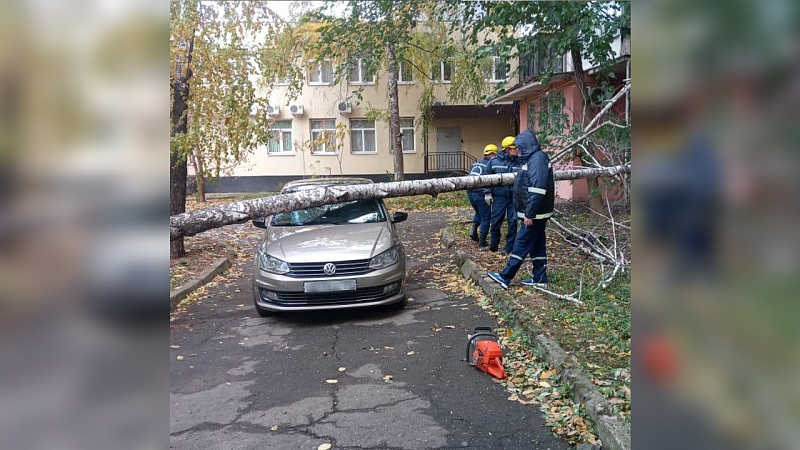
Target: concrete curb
614	432
179	293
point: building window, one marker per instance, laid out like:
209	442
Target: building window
405	74
281	141
442	72
407	130
321	73
362	136
323	136
499	73
359	73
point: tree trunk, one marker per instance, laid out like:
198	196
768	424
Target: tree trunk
189	224
394	114
595	192
200	179
179	87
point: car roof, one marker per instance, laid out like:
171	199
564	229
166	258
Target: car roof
312	183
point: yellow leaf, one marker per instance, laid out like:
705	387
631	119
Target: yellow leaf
175	346
513	398
410	353
275	428
331	381
450	326
179	358
544	384
342	369
388	348
324	447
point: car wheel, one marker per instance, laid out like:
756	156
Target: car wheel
261	311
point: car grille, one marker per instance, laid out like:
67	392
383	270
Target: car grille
370	294
315	270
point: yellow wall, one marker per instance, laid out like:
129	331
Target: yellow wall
319	102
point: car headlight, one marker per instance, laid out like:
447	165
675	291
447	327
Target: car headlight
272	264
385	259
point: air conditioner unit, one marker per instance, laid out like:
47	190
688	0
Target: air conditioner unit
274	110
596	95
296	110
439	103
344	108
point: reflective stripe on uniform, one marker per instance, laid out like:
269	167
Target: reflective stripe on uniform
500	167
536	190
515	256
539	257
538	216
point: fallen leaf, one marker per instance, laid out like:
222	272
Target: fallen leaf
331	381
175	346
410	353
324	447
513	398
450	326
342	369
387	378
544	384
274	428
388	348
179	358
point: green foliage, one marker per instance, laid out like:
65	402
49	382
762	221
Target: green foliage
213	52
521	29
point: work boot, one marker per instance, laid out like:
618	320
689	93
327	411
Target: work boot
483	244
474	235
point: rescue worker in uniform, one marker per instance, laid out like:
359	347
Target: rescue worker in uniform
476	199
501	199
534	198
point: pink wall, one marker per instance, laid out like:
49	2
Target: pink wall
576	189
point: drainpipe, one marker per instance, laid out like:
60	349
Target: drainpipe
516	117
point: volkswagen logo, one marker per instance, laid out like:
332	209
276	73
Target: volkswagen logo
329	269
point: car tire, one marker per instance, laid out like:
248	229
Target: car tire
261	311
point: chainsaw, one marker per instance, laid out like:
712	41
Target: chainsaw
484	352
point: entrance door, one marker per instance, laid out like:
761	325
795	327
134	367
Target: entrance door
448	147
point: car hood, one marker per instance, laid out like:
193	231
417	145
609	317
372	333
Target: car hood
325	243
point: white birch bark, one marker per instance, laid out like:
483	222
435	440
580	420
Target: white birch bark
191	223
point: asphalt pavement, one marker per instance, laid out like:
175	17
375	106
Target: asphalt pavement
361	379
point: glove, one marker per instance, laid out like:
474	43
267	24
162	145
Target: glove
488	199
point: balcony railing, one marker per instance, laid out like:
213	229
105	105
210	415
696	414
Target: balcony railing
450	162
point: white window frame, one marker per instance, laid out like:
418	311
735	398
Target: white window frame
411	129
361	131
318	70
497	60
440	76
279	132
324	146
400	79
361	72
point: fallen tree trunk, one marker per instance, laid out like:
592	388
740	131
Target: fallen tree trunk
191	223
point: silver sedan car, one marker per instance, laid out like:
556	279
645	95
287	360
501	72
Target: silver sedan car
336	256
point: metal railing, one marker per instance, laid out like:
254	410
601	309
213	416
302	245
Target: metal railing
450	161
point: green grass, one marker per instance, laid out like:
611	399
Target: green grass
444	200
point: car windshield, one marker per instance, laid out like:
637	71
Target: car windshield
358	211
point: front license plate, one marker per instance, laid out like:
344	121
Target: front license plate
329	286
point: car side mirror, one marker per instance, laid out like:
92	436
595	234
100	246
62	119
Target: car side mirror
399	217
260	222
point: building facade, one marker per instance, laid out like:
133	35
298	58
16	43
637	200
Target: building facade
322	133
